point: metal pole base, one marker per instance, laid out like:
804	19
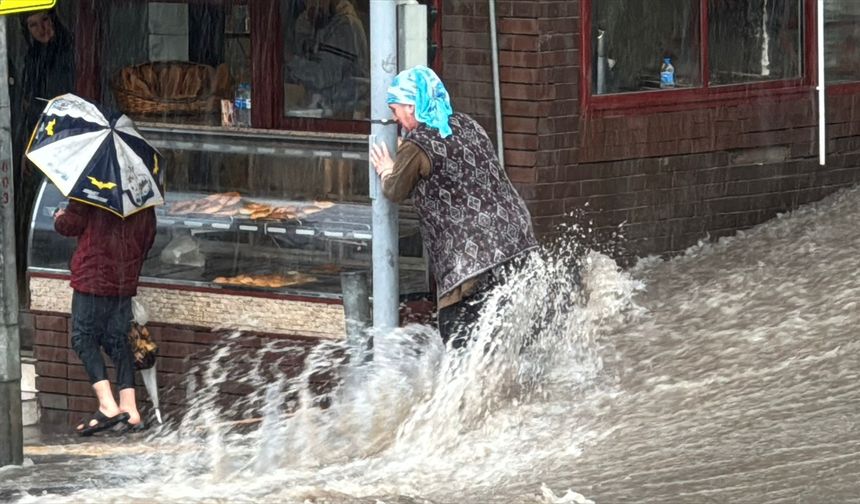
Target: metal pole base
11	424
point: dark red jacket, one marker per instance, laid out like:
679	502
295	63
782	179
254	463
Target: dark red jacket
110	249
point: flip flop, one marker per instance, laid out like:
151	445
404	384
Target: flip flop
102	422
123	427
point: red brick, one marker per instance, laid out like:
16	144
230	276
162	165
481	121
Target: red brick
465	8
51	323
467	40
208	338
567	190
466	56
522	175
528	92
50	354
51	385
174	349
458	72
83	404
172	365
520	9
50	338
519	59
177	334
526	108
521	142
51	369
522	159
519	25
520	125
80	388
519	42
76	371
521	75
456	23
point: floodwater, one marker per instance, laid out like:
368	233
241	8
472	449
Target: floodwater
729	374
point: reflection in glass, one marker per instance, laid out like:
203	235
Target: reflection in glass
842	40
754	40
326	58
631	38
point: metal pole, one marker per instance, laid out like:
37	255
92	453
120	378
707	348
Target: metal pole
822	117
356	304
11	424
497	87
383	67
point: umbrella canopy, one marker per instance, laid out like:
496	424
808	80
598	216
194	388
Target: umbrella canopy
97	157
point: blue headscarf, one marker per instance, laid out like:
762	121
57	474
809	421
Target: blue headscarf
421	87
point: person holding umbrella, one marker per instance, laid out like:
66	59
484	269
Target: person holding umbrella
113	178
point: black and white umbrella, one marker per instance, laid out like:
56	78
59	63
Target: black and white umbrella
96	156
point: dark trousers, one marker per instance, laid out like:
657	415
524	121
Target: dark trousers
457	322
103	322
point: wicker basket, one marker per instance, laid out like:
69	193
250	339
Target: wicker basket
176	87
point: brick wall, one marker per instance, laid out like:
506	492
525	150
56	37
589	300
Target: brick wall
671	176
538	73
65	395
466	61
676	177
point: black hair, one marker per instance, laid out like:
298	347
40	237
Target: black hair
62	35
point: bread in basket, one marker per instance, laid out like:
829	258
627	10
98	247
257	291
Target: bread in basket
171	86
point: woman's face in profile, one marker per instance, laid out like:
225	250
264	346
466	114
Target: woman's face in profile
404	115
41	27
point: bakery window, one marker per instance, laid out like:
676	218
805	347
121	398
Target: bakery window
271	213
176	62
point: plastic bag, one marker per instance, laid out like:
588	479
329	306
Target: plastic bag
142	346
183	250
138	312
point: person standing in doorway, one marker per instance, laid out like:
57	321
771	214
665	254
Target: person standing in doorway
476	227
105	271
49	71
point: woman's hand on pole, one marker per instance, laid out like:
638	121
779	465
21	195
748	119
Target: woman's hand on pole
381	159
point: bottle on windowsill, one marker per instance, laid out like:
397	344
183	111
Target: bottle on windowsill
242	105
667	74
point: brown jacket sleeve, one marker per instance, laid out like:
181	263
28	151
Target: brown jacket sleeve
410	165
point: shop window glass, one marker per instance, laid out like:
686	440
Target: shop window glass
326	58
631	38
754	40
174	62
842	40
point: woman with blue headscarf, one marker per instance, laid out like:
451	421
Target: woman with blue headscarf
474	224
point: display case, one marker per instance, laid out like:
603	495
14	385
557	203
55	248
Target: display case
253	211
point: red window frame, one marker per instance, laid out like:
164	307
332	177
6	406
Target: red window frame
705	93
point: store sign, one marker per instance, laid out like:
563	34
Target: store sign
14	6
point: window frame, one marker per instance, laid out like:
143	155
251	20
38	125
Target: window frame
705	93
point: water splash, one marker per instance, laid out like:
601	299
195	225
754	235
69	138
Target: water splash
410	417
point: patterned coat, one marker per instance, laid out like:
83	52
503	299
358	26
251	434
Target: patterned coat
471	217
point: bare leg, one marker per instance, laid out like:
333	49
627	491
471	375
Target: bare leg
107	404
128	404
